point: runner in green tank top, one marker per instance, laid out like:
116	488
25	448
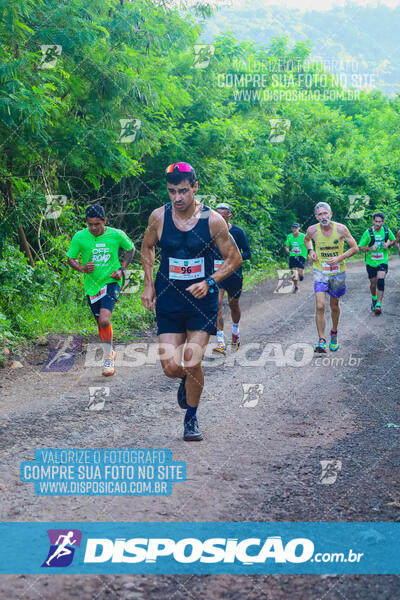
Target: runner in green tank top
329	269
295	248
375	242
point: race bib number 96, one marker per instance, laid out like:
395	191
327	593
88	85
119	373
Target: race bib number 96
186	269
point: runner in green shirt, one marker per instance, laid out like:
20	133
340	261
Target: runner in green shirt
295	248
98	246
397	242
375	242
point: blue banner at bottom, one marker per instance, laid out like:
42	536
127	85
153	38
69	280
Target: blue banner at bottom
205	548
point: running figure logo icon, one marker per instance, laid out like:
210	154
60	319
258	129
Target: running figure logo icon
252	393
202	55
62	352
62	547
285	282
130	130
279	129
330	470
97	397
50	55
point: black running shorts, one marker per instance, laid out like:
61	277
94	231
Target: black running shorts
181	322
108	301
373	271
296	262
233	285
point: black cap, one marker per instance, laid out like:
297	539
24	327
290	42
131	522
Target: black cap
295	225
95	210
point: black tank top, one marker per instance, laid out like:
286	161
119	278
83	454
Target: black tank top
186	257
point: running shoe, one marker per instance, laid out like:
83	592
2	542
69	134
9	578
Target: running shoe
378	308
220	348
191	431
235	341
109	364
321	346
373	304
334	344
295	289
182	394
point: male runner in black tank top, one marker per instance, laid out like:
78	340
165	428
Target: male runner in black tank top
233	284
185	293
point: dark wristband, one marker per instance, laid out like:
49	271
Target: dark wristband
211	284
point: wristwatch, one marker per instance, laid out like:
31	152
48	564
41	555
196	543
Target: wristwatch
211	284
122	269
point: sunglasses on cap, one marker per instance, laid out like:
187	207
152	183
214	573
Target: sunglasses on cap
181	167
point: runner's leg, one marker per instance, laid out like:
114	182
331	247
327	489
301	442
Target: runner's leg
193	355
105	330
335	312
235	311
380	283
372	286
320	303
295	277
171	351
220	320
220	347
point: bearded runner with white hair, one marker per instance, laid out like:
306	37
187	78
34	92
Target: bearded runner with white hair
329	269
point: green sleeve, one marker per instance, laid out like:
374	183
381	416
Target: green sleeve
124	241
391	235
287	243
365	239
75	247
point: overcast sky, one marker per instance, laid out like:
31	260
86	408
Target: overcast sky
316	4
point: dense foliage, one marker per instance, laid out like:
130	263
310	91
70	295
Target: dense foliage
113	60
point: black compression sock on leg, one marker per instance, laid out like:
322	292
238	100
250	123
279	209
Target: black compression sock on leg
190	413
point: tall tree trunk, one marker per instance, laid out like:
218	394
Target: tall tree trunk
10	203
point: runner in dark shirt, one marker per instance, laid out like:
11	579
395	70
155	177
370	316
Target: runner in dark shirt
233	284
185	292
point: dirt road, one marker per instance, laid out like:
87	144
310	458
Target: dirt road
269	414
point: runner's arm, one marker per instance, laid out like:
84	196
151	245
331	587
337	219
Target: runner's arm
148	257
308	238
353	249
77	266
391	240
244	246
397	241
364	243
127	261
286	246
226	246
128	258
72	255
228	250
